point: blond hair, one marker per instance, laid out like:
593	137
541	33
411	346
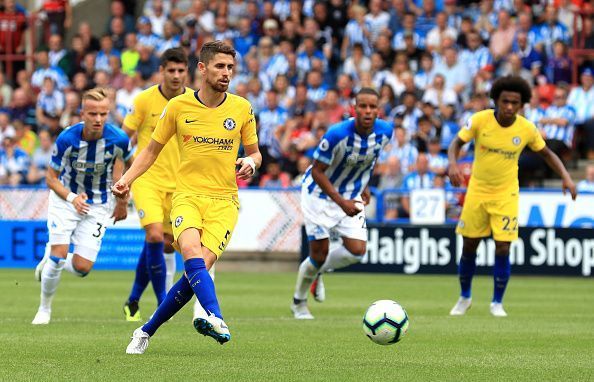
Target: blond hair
95	94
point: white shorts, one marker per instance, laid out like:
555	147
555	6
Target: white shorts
323	216
85	232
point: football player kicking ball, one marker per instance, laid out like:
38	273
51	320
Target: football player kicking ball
209	125
333	191
153	191
491	204
80	204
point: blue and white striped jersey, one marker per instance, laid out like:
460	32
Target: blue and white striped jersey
561	133
349	156
86	166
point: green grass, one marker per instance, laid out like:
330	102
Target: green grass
547	336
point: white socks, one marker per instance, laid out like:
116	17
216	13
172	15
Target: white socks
50	278
198	309
68	266
169	270
339	257
306	275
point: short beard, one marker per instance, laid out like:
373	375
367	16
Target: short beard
218	87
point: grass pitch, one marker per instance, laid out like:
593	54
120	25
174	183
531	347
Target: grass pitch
548	335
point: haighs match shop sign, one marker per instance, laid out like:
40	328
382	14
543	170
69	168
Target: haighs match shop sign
413	249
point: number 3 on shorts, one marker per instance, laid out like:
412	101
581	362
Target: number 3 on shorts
98	232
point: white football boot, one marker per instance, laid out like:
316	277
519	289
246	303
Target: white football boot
301	311
497	310
42	317
139	342
462	305
214	327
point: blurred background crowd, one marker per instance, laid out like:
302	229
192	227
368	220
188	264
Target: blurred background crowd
300	62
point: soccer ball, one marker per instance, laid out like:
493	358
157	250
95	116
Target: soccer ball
385	322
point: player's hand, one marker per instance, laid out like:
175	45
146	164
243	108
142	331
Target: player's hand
120	212
121	189
350	207
568	185
247	168
80	204
455	175
366	196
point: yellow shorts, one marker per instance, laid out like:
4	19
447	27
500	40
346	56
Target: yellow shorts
214	218
153	205
482	217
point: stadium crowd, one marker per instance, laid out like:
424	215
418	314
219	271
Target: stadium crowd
300	62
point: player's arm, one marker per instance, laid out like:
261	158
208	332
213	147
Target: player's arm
120	211
143	162
454	172
79	201
555	163
318	172
250	163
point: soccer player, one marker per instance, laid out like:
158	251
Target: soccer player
80	204
152	192
491	203
333	192
209	125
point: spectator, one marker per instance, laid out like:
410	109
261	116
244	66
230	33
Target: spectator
316	89
158	17
275	177
533	111
90	42
501	41
357	63
455	73
148	64
587	184
130	55
513	67
476	56
117	31
5	92
40	159
426	130
58	56
438	162
558	124
145	35
549	31
25	138
377	18
270	119
107	51
285	91
424	77
449	126
118	11
408	30
57	16
390	179
559	65
421	178
334	111
531	59
358	30
440	30
50	105
71	109
438	95
407	114
401	148
13	24
14	162
44	69
204	18
6	129
126	94
21	108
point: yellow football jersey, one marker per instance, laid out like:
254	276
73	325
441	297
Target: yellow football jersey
209	139
143	117
496	152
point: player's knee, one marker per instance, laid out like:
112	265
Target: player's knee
502	249
154	236
191	249
470	245
82	270
358	250
168	248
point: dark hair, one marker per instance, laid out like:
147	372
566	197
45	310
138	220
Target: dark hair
513	84
174	55
370	91
211	48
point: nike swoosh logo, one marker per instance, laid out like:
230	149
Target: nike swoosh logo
191	120
154	115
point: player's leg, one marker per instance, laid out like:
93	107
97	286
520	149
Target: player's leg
46	254
170	263
155	259
504	223
473	226
501	274
50	278
308	271
62	220
141	280
198	310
